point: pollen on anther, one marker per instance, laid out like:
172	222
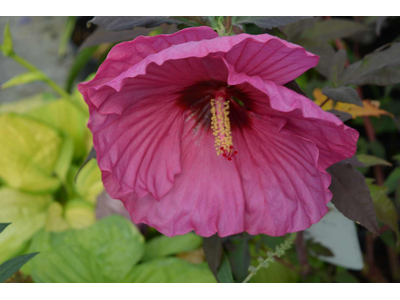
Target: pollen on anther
221	127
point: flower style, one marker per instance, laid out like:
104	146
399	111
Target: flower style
197	132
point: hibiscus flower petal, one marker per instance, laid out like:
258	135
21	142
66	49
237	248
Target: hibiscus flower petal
127	54
285	188
207	196
335	140
137	131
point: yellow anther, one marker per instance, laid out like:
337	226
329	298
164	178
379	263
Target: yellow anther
221	125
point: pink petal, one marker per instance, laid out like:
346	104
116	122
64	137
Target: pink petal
127	54
284	188
139	150
206	197
305	119
137	131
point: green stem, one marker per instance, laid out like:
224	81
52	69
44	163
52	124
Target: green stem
279	251
27	65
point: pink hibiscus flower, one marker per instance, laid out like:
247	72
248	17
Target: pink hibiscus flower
197	132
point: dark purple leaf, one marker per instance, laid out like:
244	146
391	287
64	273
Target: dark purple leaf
128	23
267	22
343	94
344	116
295	87
212	247
237	249
338	65
351	195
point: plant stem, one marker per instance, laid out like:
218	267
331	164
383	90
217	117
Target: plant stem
27	65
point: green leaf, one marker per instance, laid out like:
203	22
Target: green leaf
68	118
170	270
3	226
55	221
275	273
267	22
343	94
393	180
104	252
351	195
7	47
224	272
370	160
27	213
8	268
23	78
88	182
28	154
64	159
164	246
66	35
79	213
328	30
24	105
384	207
237	249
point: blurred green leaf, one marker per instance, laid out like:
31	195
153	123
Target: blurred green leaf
7	46
275	273
64	159
27	213
377	149
164	246
88	181
79	213
393	180
170	270
104	252
24	105
384	207
343	276
370	160
23	78
225	272
66	35
55	221
237	249
28	154
68	118
8	268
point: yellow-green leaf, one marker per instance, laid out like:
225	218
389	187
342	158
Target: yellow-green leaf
384	207
68	118
26	213
79	213
28	154
23	78
24	105
55	221
88	182
370	160
7	47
